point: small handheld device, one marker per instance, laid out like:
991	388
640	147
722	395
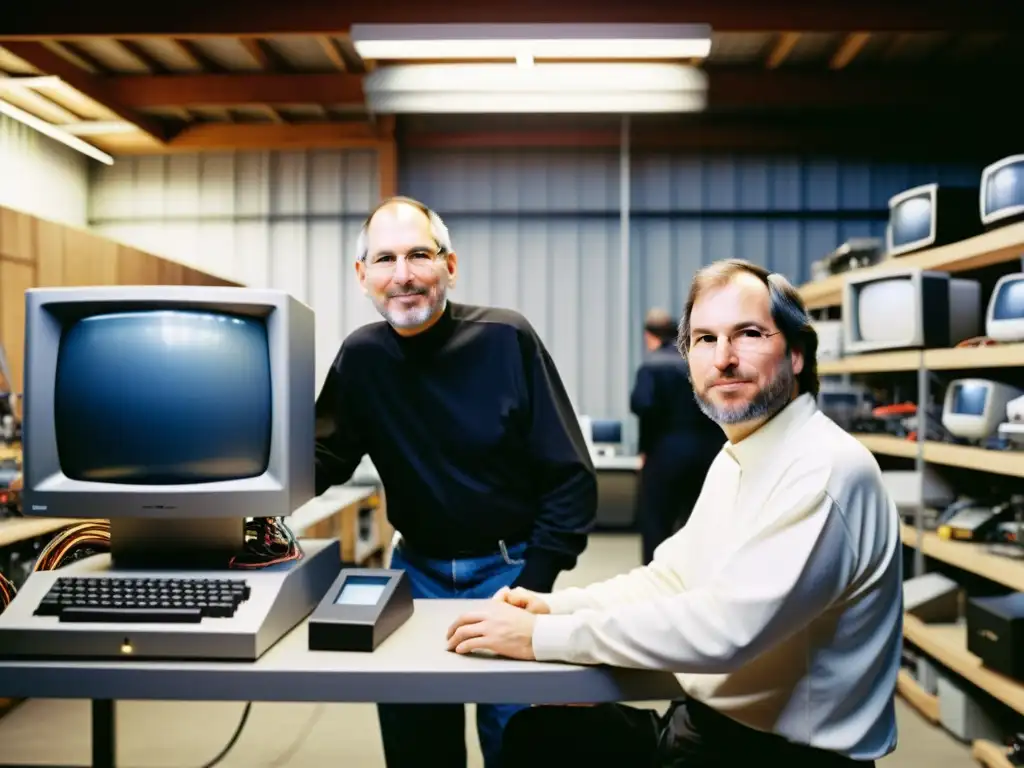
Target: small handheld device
363	607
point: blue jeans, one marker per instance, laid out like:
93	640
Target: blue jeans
434	734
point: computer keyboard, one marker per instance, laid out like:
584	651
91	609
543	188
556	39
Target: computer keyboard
117	599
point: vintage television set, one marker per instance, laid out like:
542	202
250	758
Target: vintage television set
973	409
1004	318
183	415
931	215
908	308
1002	192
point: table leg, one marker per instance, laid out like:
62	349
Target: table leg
104	734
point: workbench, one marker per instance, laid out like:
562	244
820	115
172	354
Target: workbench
413	666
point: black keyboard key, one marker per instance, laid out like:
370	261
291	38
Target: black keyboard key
150	615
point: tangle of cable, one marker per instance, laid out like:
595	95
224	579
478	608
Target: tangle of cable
268	541
73	542
7	592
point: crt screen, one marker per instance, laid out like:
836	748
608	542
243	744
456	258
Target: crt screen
1009	304
886	310
1005	188
911	220
361	590
969	400
163	398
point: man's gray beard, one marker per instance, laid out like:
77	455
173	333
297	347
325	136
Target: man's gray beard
769	401
413	318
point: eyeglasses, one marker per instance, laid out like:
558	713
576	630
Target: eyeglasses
745	340
419	261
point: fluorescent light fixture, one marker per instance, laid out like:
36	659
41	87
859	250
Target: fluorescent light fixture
547	78
553	88
534	103
58	134
542	41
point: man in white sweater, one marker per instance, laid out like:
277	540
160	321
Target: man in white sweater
778	606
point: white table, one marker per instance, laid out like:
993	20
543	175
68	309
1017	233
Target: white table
411	666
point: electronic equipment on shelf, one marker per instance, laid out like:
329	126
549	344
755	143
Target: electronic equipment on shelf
973	409
974	522
1002	192
908	308
830	339
855	253
361	610
1004	316
931	215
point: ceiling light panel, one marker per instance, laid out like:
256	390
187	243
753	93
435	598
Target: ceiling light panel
541	41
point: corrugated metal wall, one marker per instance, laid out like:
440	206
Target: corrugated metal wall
41	176
286	220
536	230
782	213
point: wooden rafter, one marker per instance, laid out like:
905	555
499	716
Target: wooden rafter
94	88
848	49
783	47
267	18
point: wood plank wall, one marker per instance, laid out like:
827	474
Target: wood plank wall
35	253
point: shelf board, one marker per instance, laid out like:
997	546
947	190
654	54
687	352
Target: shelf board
15	529
998	246
880	362
917	697
888	445
1009	463
990	754
967	556
947	644
998	356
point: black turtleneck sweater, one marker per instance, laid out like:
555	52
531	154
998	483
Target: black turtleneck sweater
472	432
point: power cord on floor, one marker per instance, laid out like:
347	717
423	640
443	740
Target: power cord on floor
234	738
287	754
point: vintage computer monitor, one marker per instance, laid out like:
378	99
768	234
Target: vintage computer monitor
1004	319
908	308
606	435
1002	192
931	215
973	409
176	413
830	339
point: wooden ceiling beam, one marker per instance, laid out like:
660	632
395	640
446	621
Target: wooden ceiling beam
728	89
97	89
905	136
783	47
266	18
220	137
142	92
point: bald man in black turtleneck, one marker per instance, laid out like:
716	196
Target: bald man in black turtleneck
488	478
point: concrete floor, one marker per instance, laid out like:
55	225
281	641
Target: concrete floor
151	734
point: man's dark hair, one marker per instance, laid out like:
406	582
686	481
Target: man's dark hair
659	323
788	312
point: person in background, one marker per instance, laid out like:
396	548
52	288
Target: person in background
488	478
677	441
778	606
